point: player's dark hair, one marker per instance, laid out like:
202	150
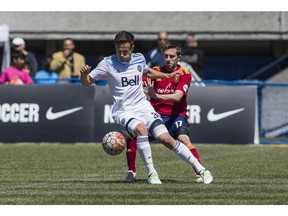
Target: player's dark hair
124	37
173	45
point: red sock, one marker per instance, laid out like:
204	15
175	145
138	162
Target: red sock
131	154
196	155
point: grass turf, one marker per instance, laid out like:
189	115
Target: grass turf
83	174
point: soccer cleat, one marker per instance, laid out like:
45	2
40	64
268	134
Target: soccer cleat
154	179
199	179
131	177
206	176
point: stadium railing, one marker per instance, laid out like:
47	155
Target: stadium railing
63	81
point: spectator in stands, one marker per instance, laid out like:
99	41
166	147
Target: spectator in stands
46	75
18	44
155	55
16	74
192	55
67	63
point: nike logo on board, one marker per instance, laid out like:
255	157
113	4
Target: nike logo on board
55	115
211	116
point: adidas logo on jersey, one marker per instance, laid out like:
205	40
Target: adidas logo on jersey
130	82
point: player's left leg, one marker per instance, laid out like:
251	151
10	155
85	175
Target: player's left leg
186	140
183	152
183	135
178	128
131	160
158	130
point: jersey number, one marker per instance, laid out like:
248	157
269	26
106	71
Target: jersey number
178	124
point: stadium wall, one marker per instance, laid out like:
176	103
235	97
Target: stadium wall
103	25
236	44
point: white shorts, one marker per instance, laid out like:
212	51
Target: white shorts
128	120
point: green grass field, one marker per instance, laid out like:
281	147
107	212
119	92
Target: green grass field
83	174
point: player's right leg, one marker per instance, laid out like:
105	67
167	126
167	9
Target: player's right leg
144	150
131	126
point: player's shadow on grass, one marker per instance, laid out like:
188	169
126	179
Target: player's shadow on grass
142	181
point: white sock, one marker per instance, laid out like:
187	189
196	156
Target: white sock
144	149
184	153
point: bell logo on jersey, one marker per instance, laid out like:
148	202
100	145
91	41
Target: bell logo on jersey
130	82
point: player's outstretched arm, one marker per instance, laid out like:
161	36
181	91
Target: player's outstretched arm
153	74
85	79
174	97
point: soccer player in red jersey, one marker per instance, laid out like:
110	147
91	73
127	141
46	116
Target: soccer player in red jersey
168	96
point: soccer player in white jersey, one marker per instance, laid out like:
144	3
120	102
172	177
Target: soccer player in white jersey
131	110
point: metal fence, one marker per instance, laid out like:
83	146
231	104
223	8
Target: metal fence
272	108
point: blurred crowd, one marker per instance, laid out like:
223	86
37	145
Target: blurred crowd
64	65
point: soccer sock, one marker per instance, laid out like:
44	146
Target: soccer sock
183	152
131	154
144	149
196	155
194	151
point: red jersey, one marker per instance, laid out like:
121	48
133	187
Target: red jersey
169	86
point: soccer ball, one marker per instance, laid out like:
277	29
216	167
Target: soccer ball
113	143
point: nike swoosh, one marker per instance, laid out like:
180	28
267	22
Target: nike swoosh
52	116
211	116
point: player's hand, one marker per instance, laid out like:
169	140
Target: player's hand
85	70
150	90
178	72
148	83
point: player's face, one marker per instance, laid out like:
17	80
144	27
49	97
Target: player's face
171	59
124	51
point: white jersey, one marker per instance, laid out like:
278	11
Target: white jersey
125	81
